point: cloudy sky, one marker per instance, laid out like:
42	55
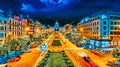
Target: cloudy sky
65	11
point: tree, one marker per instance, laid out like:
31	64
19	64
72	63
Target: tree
8	47
116	53
2	52
14	44
31	38
21	43
68	35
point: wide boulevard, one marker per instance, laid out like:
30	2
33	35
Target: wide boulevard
33	56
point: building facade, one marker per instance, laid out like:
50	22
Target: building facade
37	29
3	22
68	28
103	28
13	28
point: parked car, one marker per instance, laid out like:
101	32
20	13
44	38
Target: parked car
17	58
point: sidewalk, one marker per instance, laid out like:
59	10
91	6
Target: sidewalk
3	59
27	59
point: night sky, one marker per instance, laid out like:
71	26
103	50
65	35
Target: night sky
65	11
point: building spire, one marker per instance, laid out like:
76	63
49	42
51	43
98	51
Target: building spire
56	27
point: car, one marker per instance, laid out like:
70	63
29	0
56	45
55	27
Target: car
87	59
109	63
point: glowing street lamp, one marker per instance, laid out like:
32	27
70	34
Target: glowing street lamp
81	29
27	29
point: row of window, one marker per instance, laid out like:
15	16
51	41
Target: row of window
15	23
114	28
97	37
94	29
111	17
5	22
11	27
91	24
111	28
112	23
104	22
104	33
104	28
112	33
114	17
115	33
114	37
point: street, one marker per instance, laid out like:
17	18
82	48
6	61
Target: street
75	54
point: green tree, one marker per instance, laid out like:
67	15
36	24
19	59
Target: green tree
116	53
31	38
2	53
8	47
14	44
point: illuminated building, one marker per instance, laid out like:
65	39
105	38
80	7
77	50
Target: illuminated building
62	29
43	28
101	28
37	28
68	28
24	26
30	27
3	22
14	27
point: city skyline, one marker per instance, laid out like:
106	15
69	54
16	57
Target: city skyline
59	33
64	11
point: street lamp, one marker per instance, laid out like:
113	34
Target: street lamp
81	29
27	29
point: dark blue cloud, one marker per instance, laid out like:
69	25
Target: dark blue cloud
27	7
45	5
